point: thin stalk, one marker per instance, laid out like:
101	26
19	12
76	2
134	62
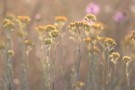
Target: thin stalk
24	73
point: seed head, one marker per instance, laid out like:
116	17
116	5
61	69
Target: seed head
10	52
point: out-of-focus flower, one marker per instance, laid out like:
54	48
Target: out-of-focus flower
110	43
127	59
93	8
48	41
10	52
119	16
79	84
54	33
60	21
49	28
8	24
114	56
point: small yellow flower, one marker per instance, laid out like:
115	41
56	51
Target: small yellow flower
127	59
79	84
24	19
90	17
60	19
97	26
87	40
10	52
48	41
28	43
110	43
72	26
54	33
40	28
8	24
114	56
50	28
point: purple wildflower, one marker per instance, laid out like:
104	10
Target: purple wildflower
93	8
119	16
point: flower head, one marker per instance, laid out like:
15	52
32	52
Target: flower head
110	43
54	33
114	56
119	16
127	59
93	8
10	52
50	28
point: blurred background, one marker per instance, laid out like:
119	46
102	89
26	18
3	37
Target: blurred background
118	17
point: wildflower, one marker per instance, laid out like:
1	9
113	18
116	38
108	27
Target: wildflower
54	33
119	16
96	29
72	26
110	43
50	28
87	40
127	59
48	41
114	56
93	8
60	19
90	18
10	52
8	24
79	84
24	19
40	28
28	43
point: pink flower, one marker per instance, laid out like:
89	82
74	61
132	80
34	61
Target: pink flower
119	16
93	8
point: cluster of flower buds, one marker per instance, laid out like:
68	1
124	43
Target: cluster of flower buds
114	56
127	59
109	43
8	24
24	20
47	33
90	18
60	21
